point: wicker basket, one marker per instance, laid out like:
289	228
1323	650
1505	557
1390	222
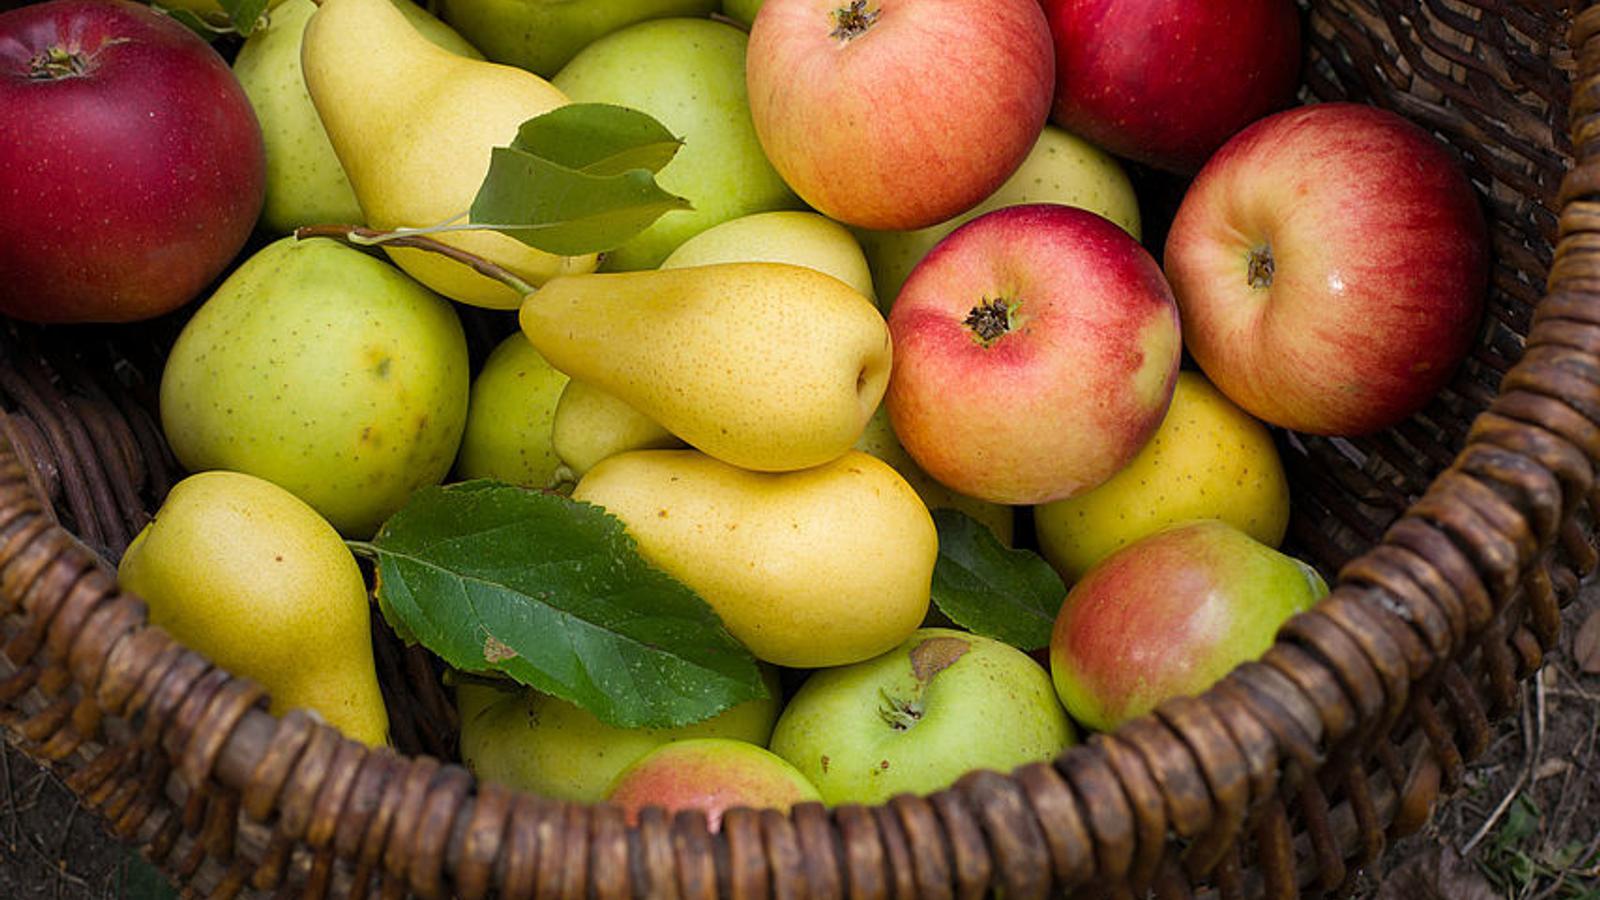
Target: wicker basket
1456	536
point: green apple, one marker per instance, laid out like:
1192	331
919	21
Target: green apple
305	183
741	11
689	75
879	440
542	35
919	717
1061	168
712	775
795	237
326	371
509	417
1168	615
535	742
1208	460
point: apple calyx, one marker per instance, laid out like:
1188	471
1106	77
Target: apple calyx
1259	267
851	22
990	320
928	659
56	63
899	714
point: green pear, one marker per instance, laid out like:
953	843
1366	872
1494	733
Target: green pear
413	126
741	11
766	366
1061	168
305	184
323	370
821	567
689	75
880	441
591	424
542	35
509	417
247	574
532	741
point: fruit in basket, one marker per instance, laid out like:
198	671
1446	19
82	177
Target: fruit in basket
305	183
920	716
1035	352
893	115
1168	615
242	571
712	775
413	126
689	75
1330	263
510	413
763	365
130	163
821	567
535	742
1061	168
1208	460
323	370
1166	82
542	35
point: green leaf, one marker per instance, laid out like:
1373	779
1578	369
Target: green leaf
207	31
562	210
991	589
553	593
142	881
598	138
244	14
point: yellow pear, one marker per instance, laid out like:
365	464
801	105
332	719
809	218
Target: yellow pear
413	126
247	574
591	425
767	366
821	567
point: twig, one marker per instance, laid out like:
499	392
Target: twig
1535	750
358	236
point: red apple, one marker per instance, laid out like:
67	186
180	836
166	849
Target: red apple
897	114
131	163
712	775
1168	615
1166	82
1330	263
1035	351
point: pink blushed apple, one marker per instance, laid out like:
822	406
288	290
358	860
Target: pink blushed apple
1035	351
1169	615
712	775
1166	82
897	114
1330	263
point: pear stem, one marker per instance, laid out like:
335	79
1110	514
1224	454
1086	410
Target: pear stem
359	236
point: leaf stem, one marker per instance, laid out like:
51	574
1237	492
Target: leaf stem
418	239
363	549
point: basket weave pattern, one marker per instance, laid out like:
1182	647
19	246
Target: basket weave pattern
1456	537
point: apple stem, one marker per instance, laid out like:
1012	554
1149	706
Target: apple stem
853	21
1260	267
57	63
358	236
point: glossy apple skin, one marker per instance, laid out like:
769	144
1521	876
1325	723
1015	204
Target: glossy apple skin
712	775
1380	263
124	190
1169	615
1057	404
1166	82
914	120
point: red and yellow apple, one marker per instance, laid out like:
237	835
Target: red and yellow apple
1330	263
712	775
894	114
1166	82
1035	351
1169	615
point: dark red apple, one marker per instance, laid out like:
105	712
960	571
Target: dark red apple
131	163
1166	82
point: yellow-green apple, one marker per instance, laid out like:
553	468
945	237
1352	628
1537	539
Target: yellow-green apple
1330	263
591	424
131	166
795	237
535	742
1208	460
510	413
919	717
689	75
712	775
1035	351
543	35
1166	82
1169	615
1061	168
893	114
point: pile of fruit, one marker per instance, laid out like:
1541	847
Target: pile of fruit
842	441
